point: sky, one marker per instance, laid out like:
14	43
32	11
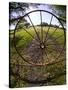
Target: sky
46	17
35	16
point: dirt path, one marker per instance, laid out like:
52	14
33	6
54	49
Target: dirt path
34	54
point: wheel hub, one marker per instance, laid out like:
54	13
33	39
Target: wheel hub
42	46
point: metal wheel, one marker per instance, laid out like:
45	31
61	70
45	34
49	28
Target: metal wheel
45	46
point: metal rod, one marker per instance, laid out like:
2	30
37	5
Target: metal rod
48	29
34	28
59	37
29	34
41	27
54	31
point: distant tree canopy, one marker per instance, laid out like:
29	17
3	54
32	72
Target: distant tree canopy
27	24
46	24
23	23
43	24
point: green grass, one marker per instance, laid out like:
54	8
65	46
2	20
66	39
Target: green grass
25	38
22	38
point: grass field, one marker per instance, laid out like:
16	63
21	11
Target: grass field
25	38
22	40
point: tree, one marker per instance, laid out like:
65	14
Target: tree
17	10
43	24
27	24
21	23
59	10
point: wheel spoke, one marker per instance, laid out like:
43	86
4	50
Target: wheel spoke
41	26
48	29
59	37
54	31
34	28
42	56
50	51
46	53
53	44
30	34
53	49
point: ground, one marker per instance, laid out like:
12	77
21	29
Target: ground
47	66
